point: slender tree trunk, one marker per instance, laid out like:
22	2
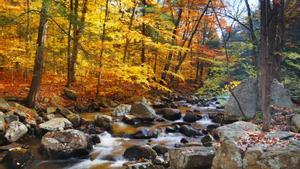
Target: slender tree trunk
69	80
77	31
127	38
39	58
169	59
143	56
27	48
102	48
155	61
182	57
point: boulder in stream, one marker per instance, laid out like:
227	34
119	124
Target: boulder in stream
56	124
137	152
67	143
170	113
189	131
194	157
191	117
18	158
142	111
121	110
103	121
15	131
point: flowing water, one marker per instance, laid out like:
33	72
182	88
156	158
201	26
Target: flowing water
108	153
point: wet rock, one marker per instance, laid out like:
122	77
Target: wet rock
15	131
67	143
246	93
191	117
4	106
137	152
103	121
121	110
211	127
145	134
90	128
11	117
72	117
142	111
170	130
141	165
207	140
70	94
160	149
189	131
170	114
131	119
295	123
94	139
195	157
18	158
56	124
184	141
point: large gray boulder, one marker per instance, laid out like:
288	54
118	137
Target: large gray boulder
67	143
194	157
142	111
137	152
285	153
15	131
246	94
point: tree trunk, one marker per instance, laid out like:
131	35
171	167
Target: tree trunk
69	80
271	44
77	30
38	63
143	57
127	38
102	49
169	59
27	48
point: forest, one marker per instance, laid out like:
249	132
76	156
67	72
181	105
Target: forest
149	84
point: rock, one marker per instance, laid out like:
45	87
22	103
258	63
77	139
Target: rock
145	134
137	152
160	149
191	117
170	114
15	131
142	111
230	155
246	93
11	117
130	119
67	143
189	131
2	123
4	106
184	141
26	115
51	110
56	124
207	140
121	110
70	94
272	157
170	130
72	117
103	121
140	165
195	157
18	158
295	123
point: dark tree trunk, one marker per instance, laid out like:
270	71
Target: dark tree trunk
271	44
143	56
39	58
